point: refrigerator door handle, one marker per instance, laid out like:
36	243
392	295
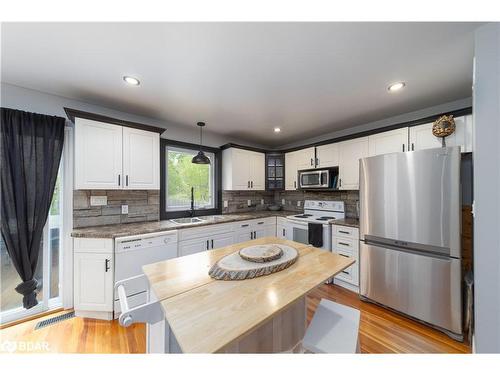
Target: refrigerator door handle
424	250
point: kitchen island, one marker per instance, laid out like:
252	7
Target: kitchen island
264	314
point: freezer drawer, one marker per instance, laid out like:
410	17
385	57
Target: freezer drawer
424	287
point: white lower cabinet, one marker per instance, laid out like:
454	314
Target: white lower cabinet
189	247
345	242
253	229
196	240
93	278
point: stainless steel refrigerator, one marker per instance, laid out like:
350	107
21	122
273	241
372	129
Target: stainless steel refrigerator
410	220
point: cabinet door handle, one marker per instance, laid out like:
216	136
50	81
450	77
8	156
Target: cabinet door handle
118	180
207	245
295	184
340	182
248	185
344	232
126	180
212	243
260	222
283	232
342	255
403	147
312	161
344	243
251	184
413	147
317	162
106	265
254	235
251	235
244	225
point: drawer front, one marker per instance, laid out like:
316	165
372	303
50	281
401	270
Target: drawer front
93	245
351	273
346	232
346	244
264	221
205	231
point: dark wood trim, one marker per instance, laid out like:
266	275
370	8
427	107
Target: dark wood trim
456	113
248	148
164	214
72	113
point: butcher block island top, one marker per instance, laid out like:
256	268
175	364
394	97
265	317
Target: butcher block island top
207	315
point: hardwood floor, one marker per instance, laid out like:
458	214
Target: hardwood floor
381	331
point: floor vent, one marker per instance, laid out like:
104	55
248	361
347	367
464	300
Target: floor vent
54	320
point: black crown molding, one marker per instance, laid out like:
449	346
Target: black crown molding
72	113
409	124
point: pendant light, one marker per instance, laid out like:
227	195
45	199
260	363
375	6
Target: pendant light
201	158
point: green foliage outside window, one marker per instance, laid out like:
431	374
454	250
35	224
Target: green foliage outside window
182	174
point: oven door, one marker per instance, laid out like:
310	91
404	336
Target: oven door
315	179
300	233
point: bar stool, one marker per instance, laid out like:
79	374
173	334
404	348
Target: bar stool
333	329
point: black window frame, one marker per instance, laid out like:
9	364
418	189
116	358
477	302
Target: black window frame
217	210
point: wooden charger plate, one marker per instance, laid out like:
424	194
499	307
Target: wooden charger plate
261	253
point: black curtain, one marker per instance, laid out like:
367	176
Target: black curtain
31	148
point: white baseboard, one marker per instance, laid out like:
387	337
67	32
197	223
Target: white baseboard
103	315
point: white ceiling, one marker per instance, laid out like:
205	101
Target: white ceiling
243	79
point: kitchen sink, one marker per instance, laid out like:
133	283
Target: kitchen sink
187	220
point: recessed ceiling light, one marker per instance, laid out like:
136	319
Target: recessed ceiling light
396	86
131	80
277	130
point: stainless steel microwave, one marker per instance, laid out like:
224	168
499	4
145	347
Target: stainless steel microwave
317	179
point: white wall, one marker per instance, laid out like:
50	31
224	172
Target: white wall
487	189
21	98
410	116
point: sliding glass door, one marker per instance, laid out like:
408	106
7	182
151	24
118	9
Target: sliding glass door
48	271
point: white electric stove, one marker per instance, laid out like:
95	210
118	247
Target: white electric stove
320	212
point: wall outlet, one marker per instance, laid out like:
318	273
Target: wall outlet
262	201
283	202
226	204
298	203
124	209
98	200
249	203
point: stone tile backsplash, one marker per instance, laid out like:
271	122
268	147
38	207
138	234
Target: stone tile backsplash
293	198
238	200
143	205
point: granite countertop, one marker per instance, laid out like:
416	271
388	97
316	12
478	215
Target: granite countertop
347	222
131	229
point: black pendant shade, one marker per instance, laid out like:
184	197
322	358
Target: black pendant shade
201	158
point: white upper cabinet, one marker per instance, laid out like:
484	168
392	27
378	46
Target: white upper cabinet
296	161
291	171
327	155
243	169
388	142
110	157
349	154
98	155
141	157
421	136
305	158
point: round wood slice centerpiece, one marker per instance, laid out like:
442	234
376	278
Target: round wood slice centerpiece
234	267
261	253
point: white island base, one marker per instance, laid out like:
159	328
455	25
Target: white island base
281	333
